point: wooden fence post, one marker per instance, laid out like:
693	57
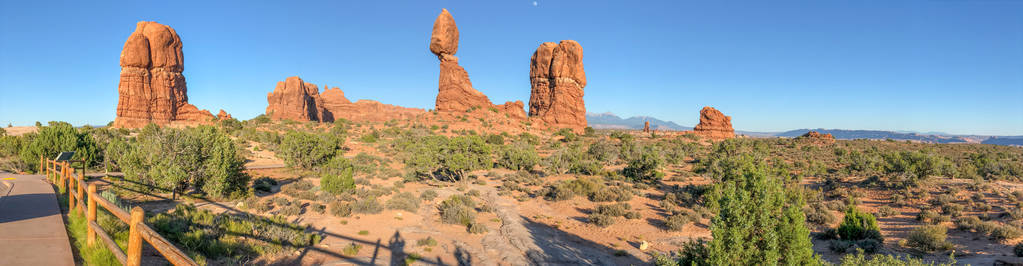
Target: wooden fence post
91	215
81	191
135	237
70	194
41	163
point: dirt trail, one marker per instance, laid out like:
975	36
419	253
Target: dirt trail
519	242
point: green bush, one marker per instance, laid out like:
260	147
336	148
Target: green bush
645	167
264	184
444	159
518	156
458	209
54	138
929	238
676	221
203	157
308	150
857	225
338	183
600	219
860	259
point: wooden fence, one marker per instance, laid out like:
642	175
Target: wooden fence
80	199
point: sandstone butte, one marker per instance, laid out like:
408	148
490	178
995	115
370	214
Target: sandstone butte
714	124
455	92
152	88
817	137
646	126
557	79
295	99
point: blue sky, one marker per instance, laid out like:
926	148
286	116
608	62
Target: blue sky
951	66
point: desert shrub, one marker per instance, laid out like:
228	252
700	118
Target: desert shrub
840	246
600	219
458	209
290	210
613	210
912	166
693	253
929	216
567	189
518	156
220	236
886	211
476	228
605	194
818	215
264	184
645	167
676	221
860	259
308	150
368	205
351	249
404	201
338	183
1018	249
428	195
52	139
318	208
858	225
571	159
928	238
176	159
340	209
603	151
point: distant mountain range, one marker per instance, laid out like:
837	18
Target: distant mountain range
612	121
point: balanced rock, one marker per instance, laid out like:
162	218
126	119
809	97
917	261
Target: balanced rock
296	100
557	79
714	124
646	126
454	90
152	88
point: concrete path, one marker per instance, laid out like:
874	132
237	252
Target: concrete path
32	229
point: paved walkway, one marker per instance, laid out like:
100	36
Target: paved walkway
32	229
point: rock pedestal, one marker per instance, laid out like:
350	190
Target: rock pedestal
152	88
557	79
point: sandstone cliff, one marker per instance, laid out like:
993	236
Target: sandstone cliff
301	101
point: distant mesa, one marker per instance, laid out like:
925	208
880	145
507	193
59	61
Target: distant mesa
455	92
295	99
152	88
714	124
557	80
816	137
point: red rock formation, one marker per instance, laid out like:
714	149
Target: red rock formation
714	124
454	90
646	126
369	110
223	115
817	137
296	100
557	79
152	88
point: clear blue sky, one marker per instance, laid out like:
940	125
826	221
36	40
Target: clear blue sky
954	66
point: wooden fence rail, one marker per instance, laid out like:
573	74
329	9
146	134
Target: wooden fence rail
80	200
